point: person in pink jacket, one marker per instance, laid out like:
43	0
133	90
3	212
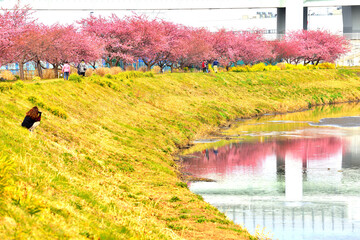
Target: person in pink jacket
66	70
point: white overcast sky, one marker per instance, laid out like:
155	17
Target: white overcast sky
211	19
231	19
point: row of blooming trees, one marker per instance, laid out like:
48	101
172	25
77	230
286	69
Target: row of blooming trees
162	43
154	41
24	40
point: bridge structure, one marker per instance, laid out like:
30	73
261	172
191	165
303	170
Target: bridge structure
291	14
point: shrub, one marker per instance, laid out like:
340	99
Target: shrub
104	82
156	69
272	68
5	87
182	185
7	75
36	79
244	68
222	69
102	71
282	66
174	199
19	84
49	74
109	76
326	65
289	66
115	70
37	101
258	67
132	74
74	77
178	70
310	66
28	75
89	72
299	67
148	74
57	111
130	68
73	70
142	69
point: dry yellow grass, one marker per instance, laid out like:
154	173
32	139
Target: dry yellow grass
7	75
115	70
101	164
102	71
89	72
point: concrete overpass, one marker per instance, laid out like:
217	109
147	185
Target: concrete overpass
291	14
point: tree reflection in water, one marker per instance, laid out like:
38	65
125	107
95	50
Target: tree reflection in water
294	187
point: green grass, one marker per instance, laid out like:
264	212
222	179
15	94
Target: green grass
101	163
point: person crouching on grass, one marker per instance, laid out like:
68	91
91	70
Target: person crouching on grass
32	119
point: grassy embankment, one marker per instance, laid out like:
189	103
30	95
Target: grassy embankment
101	164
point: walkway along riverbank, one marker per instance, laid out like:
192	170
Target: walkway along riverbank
101	164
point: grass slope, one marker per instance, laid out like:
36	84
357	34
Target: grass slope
101	164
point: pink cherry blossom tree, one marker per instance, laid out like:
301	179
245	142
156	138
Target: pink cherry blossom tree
171	49
250	47
224	49
286	50
151	36
197	46
13	25
69	44
114	34
315	46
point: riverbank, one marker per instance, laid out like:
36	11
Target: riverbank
101	164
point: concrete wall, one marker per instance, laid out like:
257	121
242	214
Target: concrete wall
351	19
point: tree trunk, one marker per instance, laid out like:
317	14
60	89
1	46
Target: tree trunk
55	67
108	62
148	67
38	66
21	71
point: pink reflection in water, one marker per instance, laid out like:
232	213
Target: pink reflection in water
252	156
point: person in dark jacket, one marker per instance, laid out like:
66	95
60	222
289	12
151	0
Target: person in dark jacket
82	68
32	119
215	65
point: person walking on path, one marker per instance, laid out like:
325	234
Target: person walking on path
215	65
203	66
66	70
32	119
82	68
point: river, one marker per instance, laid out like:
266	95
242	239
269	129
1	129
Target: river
291	176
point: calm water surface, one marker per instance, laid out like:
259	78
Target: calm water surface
297	175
